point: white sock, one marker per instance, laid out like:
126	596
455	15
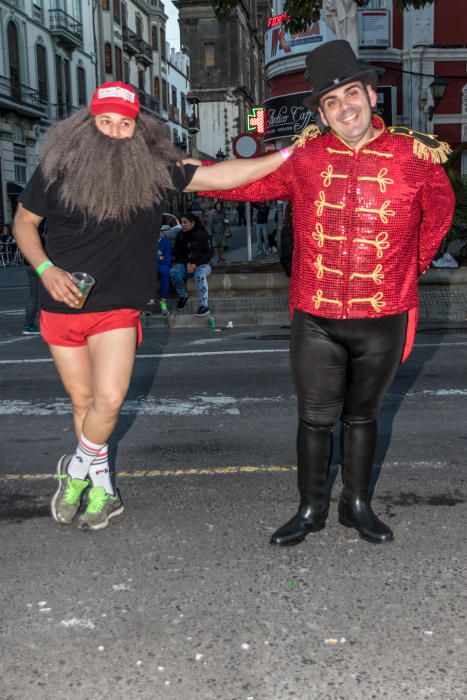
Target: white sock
99	472
84	455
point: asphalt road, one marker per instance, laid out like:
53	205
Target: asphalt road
182	597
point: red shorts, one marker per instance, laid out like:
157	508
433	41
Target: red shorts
73	330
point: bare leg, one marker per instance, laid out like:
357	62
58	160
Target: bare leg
97	377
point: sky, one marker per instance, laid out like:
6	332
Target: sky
172	30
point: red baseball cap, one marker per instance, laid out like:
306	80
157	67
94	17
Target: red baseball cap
115	97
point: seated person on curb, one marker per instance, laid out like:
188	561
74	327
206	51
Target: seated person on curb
192	255
164	260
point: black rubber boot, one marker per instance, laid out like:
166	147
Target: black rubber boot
358	444
314	446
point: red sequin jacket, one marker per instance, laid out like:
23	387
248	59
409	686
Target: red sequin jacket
366	223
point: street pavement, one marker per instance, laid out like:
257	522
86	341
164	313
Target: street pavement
182	597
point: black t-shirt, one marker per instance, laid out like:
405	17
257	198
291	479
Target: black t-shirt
121	260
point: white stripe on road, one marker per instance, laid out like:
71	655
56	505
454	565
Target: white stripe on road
191	406
173	355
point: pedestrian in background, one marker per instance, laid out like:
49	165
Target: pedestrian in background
192	256
164	262
217	226
262	215
241	214
33	303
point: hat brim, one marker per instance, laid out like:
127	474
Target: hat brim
367	75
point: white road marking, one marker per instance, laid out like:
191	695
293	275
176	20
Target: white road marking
19	339
174	355
190	406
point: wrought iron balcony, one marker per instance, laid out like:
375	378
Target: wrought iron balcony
144	52
130	40
66	29
147	101
193	125
21	98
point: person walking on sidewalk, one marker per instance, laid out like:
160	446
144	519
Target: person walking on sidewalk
192	256
262	214
102	177
370	207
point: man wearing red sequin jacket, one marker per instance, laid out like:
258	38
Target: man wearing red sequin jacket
370	207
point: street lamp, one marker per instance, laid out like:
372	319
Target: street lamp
220	155
438	88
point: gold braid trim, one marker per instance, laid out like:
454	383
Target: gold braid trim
425	146
310	132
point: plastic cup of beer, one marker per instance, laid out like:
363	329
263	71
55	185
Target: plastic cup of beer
85	283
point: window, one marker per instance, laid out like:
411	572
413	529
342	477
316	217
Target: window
37	10
66	70
59	81
163	44
126	72
155	41
108	58
141	79
139	27
174	96
164	94
117	14
81	80
156	89
105	4
118	63
20	174
41	60
13	56
183	104
209	55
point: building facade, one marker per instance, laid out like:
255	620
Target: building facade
417	53
47	70
227	68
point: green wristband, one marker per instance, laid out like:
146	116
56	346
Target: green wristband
43	266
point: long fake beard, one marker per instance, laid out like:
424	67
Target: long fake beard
108	178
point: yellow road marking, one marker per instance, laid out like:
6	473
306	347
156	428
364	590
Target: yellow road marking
162	473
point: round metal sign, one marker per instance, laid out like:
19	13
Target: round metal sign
245	146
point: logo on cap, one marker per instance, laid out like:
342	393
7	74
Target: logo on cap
115	91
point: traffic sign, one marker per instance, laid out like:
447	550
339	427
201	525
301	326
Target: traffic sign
245	145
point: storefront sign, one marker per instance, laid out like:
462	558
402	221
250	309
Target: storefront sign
279	44
286	115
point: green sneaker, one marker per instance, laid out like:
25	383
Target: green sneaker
100	508
67	498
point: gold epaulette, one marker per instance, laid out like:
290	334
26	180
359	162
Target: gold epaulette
425	146
310	132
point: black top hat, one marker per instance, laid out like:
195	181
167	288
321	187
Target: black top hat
334	64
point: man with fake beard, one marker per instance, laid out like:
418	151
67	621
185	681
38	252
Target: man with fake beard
371	205
101	179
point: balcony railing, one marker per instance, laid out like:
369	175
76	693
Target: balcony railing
130	40
134	44
26	100
147	101
144	51
67	29
193	125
